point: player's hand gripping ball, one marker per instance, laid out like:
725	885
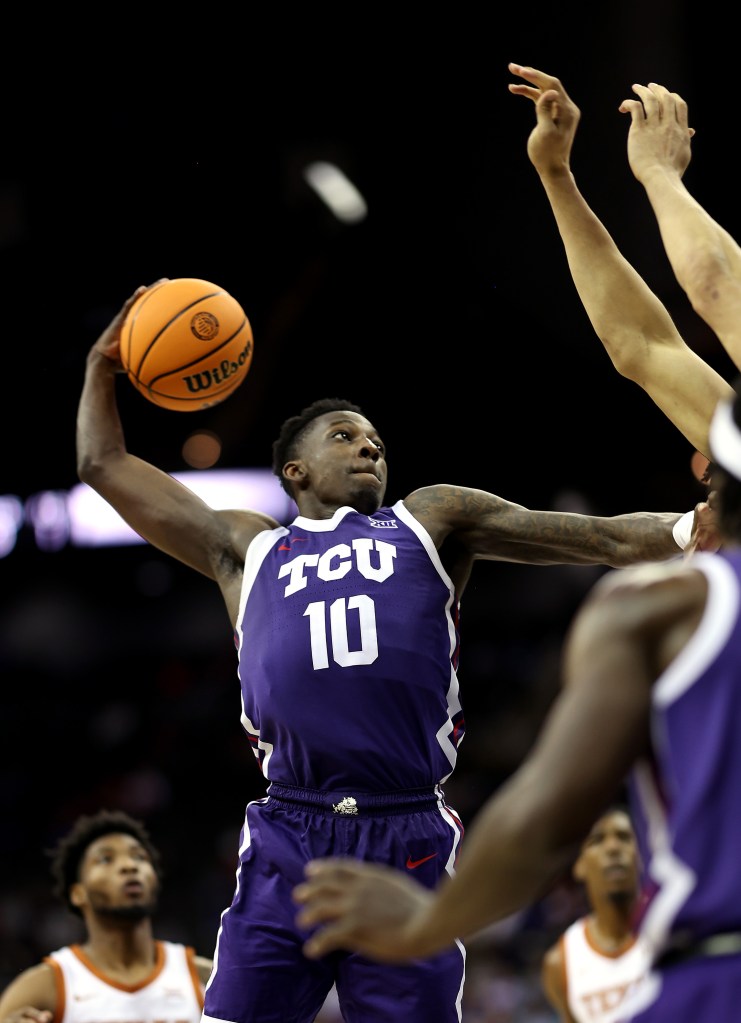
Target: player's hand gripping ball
186	344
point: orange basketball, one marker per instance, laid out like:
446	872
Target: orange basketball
186	344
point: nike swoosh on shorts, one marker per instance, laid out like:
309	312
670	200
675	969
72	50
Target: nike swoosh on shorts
412	864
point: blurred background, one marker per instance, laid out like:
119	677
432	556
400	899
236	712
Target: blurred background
446	310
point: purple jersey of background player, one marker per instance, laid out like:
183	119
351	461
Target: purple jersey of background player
693	882
361	591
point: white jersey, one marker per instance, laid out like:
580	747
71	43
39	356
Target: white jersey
172	993
597	982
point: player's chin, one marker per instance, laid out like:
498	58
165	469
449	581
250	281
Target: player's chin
367	493
132	910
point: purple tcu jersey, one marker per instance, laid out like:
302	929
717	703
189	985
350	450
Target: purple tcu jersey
348	648
686	801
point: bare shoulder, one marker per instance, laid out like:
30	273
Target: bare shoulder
237	529
553	960
245	524
680	577
450	495
473	517
453	506
34	987
648	607
226	549
553	978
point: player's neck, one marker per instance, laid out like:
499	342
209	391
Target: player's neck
610	928
117	950
363	500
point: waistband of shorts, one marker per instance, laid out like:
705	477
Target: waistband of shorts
350	803
725	944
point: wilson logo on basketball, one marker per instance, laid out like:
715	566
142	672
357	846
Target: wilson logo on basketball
205	326
218	374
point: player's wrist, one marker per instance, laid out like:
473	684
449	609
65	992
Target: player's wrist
96	357
659	178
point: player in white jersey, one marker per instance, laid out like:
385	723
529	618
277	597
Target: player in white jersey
171	990
107	871
588	972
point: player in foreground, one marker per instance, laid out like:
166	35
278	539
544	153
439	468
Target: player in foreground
107	872
346	623
651	690
599	959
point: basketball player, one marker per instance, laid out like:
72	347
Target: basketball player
599	958
635	328
346	624
107	872
652	690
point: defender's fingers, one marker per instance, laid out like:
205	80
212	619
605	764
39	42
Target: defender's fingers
681	112
649	99
634	107
532	74
524	90
331	938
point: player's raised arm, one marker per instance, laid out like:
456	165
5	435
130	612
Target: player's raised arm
634	326
156	505
705	258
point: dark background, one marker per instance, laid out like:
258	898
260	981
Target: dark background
133	151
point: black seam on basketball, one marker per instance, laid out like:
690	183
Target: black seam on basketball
131	320
166	326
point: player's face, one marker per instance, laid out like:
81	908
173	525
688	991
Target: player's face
342	461
608	863
117	878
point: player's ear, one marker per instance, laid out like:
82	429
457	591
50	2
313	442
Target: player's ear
577	871
295	472
77	895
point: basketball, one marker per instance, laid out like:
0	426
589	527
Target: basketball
186	344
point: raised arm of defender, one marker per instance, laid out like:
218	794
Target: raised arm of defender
635	328
705	258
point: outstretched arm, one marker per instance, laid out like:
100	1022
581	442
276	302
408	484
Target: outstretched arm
634	326
705	258
488	526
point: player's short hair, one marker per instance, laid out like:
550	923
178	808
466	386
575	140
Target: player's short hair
69	851
617	806
286	446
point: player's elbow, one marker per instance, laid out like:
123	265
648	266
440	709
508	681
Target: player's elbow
89	468
640	353
629	352
94	465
